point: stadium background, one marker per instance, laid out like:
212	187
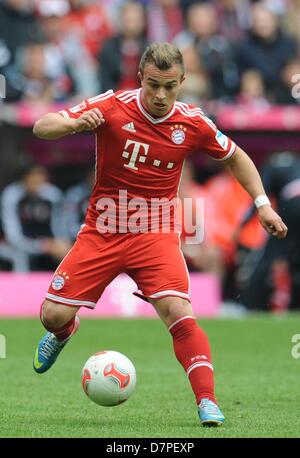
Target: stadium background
242	64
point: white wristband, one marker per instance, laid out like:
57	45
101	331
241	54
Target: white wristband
261	200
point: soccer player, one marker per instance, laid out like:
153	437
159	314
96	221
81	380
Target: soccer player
142	139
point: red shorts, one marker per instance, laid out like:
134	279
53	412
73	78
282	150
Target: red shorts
154	261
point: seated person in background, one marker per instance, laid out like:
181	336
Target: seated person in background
89	22
67	60
29	79
215	52
32	218
266	48
252	91
196	87
120	55
9	259
77	202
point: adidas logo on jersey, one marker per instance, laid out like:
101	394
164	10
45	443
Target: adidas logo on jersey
129	126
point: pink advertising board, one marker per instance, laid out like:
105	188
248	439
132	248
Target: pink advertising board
22	294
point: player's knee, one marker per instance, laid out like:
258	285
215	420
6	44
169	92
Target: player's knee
53	315
171	308
179	308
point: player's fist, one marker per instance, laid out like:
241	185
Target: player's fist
272	222
89	120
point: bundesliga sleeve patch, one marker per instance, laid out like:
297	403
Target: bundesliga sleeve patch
222	140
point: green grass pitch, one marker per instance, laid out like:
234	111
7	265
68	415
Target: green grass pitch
257	381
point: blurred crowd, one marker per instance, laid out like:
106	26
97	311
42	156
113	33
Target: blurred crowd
240	51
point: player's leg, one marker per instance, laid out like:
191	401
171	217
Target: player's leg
58	318
55	315
79	281
158	267
192	350
61	323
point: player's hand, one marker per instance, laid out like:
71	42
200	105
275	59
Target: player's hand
89	120
272	222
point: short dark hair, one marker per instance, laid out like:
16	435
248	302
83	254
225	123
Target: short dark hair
162	55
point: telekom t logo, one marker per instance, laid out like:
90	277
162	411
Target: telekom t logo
134	155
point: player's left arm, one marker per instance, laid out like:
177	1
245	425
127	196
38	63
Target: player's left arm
248	176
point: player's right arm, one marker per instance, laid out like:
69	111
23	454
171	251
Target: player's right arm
86	116
55	125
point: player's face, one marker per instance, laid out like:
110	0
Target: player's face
36	178
160	88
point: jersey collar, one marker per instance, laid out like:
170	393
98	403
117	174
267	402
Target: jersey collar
148	115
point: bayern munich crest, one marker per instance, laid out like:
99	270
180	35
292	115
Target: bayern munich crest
58	281
178	134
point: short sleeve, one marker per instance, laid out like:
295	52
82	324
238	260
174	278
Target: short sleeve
213	142
101	101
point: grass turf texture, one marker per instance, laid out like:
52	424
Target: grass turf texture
257	381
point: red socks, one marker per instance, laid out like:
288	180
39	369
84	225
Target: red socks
61	333
192	350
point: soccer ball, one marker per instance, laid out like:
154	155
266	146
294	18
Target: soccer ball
108	378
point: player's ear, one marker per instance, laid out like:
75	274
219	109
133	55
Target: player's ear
182	79
140	76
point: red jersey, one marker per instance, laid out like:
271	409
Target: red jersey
142	156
